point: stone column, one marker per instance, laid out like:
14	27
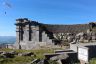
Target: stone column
17	37
44	37
37	34
27	32
17	34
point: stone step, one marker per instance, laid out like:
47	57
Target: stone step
59	51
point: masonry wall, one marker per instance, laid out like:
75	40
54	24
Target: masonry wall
68	28
30	34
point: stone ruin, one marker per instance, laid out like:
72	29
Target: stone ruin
31	34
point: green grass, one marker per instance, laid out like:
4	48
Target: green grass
24	59
92	61
16	60
52	62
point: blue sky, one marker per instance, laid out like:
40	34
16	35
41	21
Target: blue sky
46	11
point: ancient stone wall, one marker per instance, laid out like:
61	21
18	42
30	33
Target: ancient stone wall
68	28
30	34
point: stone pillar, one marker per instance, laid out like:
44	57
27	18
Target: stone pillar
27	32
44	39
17	34
37	34
40	35
17	44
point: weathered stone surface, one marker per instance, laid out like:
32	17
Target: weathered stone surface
35	61
61	56
59	61
1	52
8	55
26	54
30	34
94	37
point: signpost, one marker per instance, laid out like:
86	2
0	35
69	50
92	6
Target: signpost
83	54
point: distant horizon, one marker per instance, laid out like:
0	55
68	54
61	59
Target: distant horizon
7	36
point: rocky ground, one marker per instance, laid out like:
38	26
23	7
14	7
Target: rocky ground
10	56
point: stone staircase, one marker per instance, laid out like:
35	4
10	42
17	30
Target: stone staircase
46	38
